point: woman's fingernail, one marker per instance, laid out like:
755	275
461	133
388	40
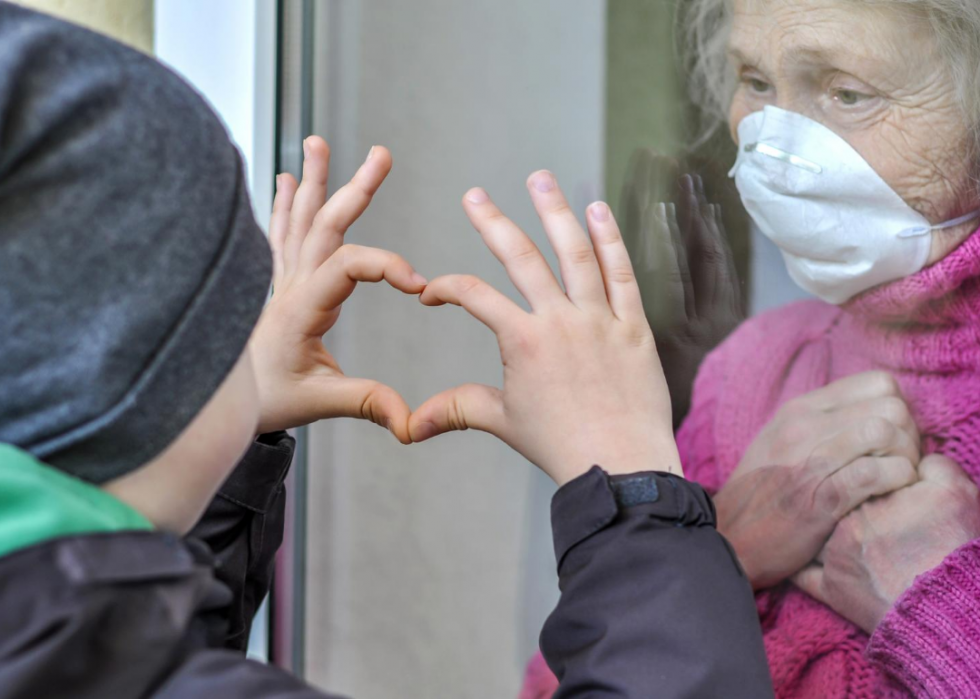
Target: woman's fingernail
477	195
600	211
543	181
419	279
278	182
306	148
423	431
370	153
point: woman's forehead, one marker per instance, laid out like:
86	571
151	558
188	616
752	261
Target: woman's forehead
825	31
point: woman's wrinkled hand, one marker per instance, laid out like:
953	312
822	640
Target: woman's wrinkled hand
314	273
876	552
582	383
822	456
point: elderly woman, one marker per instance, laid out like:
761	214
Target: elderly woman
851	423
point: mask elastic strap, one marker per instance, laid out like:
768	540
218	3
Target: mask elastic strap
922	230
958	221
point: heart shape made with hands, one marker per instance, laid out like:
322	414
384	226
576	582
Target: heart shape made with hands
577	358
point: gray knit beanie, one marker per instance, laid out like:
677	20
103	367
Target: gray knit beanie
132	270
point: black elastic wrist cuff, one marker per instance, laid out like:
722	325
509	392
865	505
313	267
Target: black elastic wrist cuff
595	500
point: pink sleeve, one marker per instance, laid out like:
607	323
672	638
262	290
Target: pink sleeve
930	640
539	681
696	436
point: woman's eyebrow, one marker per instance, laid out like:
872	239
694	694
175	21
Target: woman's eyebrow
839	57
736	53
840	54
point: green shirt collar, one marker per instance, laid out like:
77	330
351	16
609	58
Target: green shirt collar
39	502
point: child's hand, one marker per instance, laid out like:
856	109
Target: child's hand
582	381
299	381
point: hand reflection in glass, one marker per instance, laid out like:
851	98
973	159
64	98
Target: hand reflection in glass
684	265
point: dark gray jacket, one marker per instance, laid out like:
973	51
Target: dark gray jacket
653	602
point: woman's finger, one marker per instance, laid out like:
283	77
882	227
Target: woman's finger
810	580
852	389
862	479
282	206
704	251
682	260
616	270
891	408
872	436
470	406
648	240
719	282
576	256
525	264
336	278
942	470
343	209
311	195
363	399
658	272
478	298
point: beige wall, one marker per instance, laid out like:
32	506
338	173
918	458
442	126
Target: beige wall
130	21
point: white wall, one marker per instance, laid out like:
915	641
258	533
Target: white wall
430	567
226	49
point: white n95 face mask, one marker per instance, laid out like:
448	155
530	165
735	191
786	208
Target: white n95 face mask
841	228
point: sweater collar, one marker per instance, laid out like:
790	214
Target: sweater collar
926	323
945	293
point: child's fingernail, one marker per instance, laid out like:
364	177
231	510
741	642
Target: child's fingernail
370	153
477	195
543	181
600	211
419	279
423	431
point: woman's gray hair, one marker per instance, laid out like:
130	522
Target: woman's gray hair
707	24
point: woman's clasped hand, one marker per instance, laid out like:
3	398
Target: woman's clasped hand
822	456
582	382
876	552
851	515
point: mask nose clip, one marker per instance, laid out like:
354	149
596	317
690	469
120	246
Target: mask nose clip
789	158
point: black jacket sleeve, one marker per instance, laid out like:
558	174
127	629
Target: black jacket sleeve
653	601
243	528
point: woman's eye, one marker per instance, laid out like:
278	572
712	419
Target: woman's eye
849	98
760	86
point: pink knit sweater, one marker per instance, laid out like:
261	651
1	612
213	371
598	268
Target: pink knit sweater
925	330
